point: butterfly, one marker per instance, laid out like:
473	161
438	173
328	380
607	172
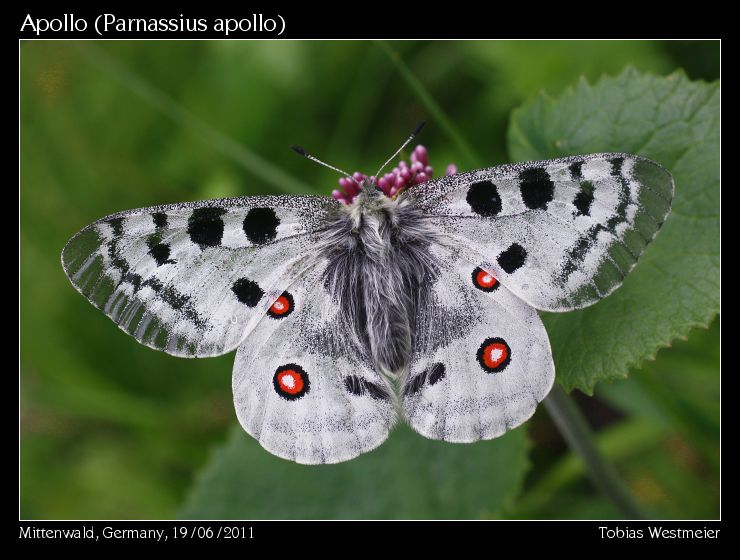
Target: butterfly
347	318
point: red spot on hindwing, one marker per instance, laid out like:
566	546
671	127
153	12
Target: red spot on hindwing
484	281
494	354
282	306
291	381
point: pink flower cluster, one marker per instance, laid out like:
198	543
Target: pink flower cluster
394	182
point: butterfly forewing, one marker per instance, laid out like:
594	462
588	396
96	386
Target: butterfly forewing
193	279
560	234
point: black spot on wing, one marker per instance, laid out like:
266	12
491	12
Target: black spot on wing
116	259
432	375
375	391
135	280
584	199
623	194
206	226
436	373
360	386
513	258
353	384
415	384
247	291
576	170
116	225
160	252
160	220
484	199
617	163
260	225
536	187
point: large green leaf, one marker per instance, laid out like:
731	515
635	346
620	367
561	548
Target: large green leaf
675	286
665	445
408	477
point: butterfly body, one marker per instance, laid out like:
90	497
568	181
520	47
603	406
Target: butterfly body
379	270
347	318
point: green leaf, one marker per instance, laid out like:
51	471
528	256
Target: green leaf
408	477
666	444
675	286
681	390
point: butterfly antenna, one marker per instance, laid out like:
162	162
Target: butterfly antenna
416	131
305	154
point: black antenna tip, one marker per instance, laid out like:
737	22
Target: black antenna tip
418	128
297	149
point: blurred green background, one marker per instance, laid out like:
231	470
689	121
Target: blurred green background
111	429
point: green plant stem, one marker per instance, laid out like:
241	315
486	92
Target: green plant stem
618	442
580	439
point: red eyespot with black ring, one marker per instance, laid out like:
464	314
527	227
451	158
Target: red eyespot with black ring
484	281
282	306
494	355
291	382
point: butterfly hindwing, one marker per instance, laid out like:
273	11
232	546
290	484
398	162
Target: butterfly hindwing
481	357
192	279
304	388
560	234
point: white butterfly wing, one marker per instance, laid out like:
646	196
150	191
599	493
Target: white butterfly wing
305	389
481	357
560	234
192	279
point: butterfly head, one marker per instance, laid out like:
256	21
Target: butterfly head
371	198
369	206
369	188
386	186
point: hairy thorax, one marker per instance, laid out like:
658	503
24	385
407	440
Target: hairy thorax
379	272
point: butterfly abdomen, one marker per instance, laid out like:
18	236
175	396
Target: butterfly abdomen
379	271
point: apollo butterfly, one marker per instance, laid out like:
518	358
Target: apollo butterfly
402	297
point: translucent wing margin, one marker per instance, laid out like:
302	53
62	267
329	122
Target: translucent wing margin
192	279
562	233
